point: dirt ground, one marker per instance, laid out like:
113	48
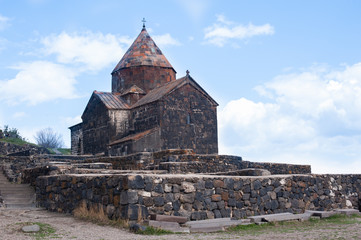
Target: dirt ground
68	227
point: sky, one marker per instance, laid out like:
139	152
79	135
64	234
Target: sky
286	74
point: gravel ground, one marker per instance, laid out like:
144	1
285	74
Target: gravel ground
68	227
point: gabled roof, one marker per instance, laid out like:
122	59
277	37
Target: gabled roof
110	100
136	136
133	89
143	52
166	89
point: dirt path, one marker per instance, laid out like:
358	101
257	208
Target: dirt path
68	227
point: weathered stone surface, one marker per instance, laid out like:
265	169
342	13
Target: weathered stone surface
188	187
166	218
259	218
31	228
170	226
216	197
187	198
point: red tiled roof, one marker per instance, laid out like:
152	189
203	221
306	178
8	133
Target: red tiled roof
111	101
136	136
143	52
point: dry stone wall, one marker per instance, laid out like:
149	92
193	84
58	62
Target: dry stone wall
197	197
27	149
182	161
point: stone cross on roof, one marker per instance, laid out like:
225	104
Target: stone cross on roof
143	22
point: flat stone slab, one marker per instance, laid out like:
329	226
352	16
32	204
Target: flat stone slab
214	220
168	218
31	228
170	226
214	225
288	217
321	214
259	218
347	212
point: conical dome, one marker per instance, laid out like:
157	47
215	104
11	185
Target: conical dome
143	52
143	65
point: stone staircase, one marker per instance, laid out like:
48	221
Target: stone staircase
15	195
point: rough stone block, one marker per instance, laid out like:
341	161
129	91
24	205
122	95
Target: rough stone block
216	197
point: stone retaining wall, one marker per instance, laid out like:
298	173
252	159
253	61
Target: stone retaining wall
182	161
173	161
10	148
198	197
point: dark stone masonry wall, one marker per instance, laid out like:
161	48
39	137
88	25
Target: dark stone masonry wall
184	161
189	120
27	149
197	197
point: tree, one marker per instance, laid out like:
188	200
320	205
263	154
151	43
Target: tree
11	133
49	139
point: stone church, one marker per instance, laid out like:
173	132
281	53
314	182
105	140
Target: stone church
148	109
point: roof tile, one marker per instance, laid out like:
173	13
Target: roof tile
142	52
112	101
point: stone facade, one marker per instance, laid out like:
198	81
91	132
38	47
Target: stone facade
147	110
76	139
144	77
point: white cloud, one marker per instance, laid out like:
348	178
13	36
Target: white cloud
4	22
38	82
312	117
223	31
165	40
195	9
19	115
92	51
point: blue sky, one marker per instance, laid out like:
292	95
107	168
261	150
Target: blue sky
286	74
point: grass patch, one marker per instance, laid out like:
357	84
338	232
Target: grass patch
154	231
16	141
334	222
250	227
96	214
51	151
65	151
46	230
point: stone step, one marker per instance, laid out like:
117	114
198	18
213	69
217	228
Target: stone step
223	222
292	217
20	205
168	218
259	218
16	193
19	202
214	225
22	189
347	212
14	185
10	198
17	196
169	226
321	214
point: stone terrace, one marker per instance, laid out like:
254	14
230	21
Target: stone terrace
180	183
135	196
